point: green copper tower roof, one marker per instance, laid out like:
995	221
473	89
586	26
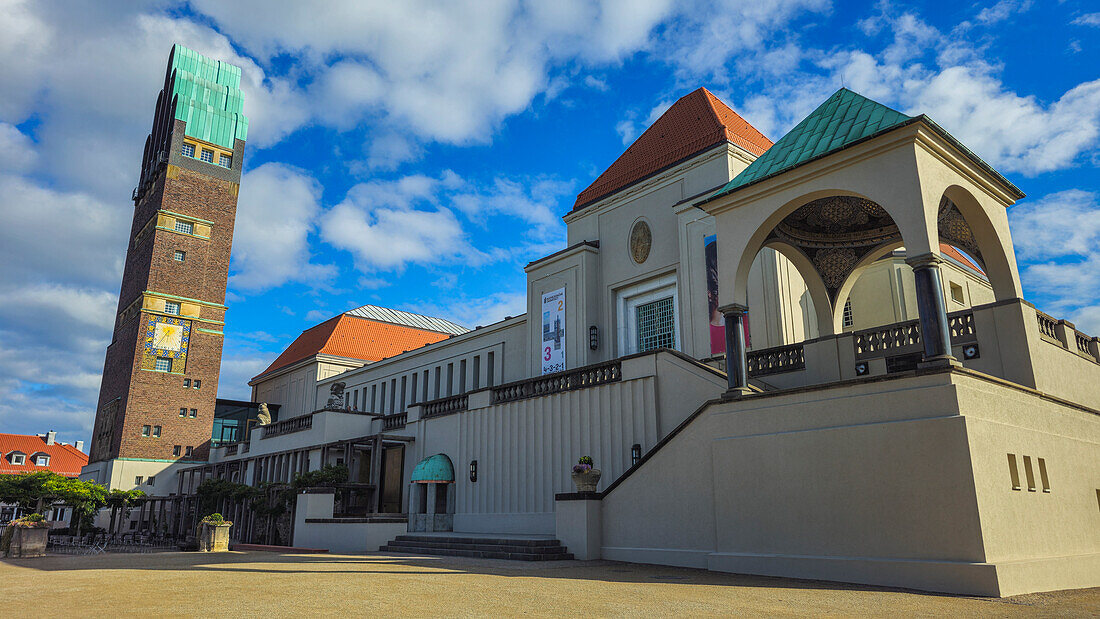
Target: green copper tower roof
207	96
842	119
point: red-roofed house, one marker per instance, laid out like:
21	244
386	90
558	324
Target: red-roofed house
23	453
349	340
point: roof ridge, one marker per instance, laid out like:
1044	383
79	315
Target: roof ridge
695	122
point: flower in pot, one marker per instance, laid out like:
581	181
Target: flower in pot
585	476
25	537
214	533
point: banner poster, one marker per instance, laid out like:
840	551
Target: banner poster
717	321
553	331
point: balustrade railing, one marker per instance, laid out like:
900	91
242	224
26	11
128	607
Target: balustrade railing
288	426
231	449
904	337
1047	326
580	378
445	406
776	360
395	421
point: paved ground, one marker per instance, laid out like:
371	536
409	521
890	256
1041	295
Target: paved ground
270	584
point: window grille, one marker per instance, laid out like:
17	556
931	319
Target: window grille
185	227
208	156
171	307
225	161
849	320
656	325
164	364
179	255
188	150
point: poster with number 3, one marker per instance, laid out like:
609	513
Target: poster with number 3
553	331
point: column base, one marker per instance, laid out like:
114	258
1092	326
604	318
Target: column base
944	361
736	393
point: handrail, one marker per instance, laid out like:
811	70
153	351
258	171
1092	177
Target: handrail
288	426
904	337
395	421
445	406
579	378
776	360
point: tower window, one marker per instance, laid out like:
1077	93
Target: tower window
849	319
208	155
164	364
194	413
183	412
171	307
185	227
198	383
145	430
656	328
179	255
188	150
225	161
156	431
186	382
152	481
190	451
138	480
176	450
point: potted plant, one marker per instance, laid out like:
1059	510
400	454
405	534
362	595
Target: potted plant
585	476
214	533
26	537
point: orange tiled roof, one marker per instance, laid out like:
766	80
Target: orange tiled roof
64	459
949	250
356	338
696	122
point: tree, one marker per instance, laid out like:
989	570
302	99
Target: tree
35	490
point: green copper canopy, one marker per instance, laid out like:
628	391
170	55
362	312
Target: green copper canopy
207	97
437	469
841	120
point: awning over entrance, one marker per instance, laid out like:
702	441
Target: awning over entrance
434	470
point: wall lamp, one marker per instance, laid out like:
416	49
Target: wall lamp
593	337
473	470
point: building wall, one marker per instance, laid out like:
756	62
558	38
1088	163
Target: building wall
900	482
295	389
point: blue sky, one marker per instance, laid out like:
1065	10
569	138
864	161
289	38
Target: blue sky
418	154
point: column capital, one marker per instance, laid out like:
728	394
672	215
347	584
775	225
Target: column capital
924	261
733	308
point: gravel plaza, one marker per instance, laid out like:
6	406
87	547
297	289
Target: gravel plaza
273	584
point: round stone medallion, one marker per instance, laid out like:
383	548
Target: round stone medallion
640	241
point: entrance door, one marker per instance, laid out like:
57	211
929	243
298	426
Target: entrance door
393	467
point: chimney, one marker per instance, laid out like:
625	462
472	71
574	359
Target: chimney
80	445
50	436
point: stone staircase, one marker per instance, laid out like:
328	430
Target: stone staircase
514	548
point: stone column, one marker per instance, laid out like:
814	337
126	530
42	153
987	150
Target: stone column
934	331
737	373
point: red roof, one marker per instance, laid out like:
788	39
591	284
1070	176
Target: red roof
64	459
958	256
356	338
696	122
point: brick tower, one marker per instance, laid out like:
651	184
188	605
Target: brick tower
160	377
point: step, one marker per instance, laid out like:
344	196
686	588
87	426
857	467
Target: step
509	541
557	548
479	554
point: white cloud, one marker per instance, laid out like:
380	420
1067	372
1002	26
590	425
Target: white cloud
1002	11
1088	19
1058	239
275	213
472	312
17	152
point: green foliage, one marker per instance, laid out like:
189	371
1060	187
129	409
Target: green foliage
586	460
328	476
31	521
213	491
29	490
216	519
122	499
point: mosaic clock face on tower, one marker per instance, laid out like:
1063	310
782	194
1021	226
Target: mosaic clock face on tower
166	338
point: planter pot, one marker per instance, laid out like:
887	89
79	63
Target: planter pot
26	543
214	538
586	481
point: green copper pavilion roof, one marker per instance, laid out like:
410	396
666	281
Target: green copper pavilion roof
841	120
207	97
437	468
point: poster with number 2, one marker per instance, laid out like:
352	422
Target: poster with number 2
553	331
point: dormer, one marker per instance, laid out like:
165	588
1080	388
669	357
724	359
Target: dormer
17	458
40	458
